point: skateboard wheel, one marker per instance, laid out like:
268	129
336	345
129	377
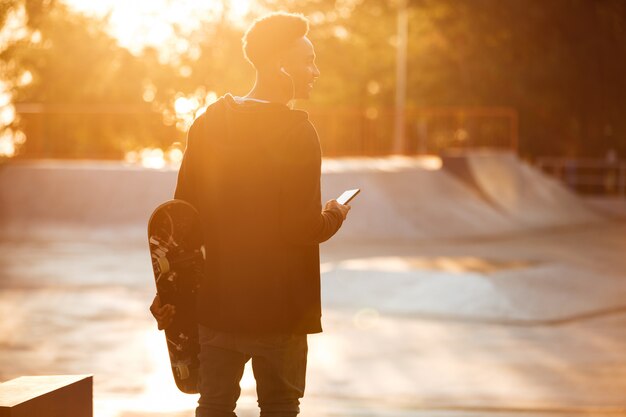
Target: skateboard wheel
164	265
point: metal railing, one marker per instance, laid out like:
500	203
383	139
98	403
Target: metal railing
369	131
587	175
82	130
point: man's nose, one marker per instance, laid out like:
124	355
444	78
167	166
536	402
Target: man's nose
316	72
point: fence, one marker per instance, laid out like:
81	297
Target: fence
108	131
587	175
368	131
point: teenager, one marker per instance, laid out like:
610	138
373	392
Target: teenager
252	169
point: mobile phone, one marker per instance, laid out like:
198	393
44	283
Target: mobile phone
348	195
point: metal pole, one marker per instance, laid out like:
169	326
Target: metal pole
515	131
399	139
622	180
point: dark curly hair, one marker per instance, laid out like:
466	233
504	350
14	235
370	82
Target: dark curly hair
271	34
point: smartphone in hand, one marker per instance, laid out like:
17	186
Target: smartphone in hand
348	195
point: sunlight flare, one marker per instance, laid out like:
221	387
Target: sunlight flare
160	23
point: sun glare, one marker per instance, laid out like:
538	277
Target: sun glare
14	27
187	108
239	8
141	23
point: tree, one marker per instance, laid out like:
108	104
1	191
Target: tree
84	96
558	63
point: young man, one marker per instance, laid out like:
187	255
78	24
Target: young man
252	169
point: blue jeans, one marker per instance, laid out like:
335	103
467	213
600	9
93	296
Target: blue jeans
278	362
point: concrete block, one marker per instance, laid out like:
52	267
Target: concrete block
47	396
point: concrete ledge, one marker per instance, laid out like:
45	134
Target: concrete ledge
47	396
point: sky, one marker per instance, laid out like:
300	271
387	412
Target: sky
139	23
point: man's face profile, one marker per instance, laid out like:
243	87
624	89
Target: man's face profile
299	63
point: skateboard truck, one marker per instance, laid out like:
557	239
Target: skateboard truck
164	264
178	346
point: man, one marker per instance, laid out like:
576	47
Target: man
252	169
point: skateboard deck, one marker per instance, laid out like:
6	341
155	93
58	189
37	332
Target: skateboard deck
178	257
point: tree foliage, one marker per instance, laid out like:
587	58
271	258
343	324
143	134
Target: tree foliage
559	63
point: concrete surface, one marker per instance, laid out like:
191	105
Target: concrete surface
612	206
453	307
526	195
47	396
402	199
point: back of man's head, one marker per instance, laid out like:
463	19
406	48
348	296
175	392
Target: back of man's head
271	34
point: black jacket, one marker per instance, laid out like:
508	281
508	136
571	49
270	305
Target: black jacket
253	172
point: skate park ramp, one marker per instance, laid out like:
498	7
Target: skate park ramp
512	224
521	192
84	197
409	199
473	194
402	198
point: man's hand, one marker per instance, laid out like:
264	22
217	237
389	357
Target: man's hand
334	205
163	314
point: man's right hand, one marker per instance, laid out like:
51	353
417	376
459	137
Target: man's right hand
334	205
163	314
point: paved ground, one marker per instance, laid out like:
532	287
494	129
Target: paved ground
80	306
506	299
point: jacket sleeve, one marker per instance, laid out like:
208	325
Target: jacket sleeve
302	219
186	188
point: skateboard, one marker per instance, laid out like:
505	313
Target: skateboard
178	257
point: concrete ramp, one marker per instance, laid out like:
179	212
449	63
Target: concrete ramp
409	199
524	194
402	198
80	194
